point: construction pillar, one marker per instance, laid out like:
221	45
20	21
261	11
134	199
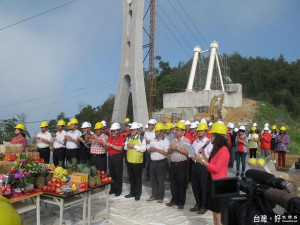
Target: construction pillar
190	84
213	49
131	67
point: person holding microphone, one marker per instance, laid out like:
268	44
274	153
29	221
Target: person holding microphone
217	165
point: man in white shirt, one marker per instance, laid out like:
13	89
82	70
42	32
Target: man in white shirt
135	146
71	140
59	153
149	136
199	172
43	142
158	165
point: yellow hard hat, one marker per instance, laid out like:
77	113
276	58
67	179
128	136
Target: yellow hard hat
202	126
158	127
252	161
20	126
127	120
74	121
98	125
253	128
61	123
68	124
44	124
273	127
218	128
282	128
168	126
260	161
8	215
180	125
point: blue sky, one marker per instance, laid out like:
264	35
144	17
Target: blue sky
78	46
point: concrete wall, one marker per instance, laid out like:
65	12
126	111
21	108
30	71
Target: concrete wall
232	98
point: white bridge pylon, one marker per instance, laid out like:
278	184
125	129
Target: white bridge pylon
213	57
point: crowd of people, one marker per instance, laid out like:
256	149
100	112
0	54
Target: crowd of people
162	149
269	141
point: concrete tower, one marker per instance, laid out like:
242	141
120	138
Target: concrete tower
131	67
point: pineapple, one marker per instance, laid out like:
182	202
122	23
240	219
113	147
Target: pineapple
95	175
69	167
40	180
47	176
91	180
80	167
60	164
74	163
33	178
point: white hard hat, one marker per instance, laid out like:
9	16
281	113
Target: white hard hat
210	124
230	125
152	121
104	123
134	126
193	125
187	123
115	126
146	126
203	121
182	121
266	125
266	128
254	125
242	128
236	129
141	125
197	122
220	122
86	125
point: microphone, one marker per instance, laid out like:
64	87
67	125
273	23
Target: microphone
265	178
205	145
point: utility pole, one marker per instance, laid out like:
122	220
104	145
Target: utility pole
151	56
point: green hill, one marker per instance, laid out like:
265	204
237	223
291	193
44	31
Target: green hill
267	113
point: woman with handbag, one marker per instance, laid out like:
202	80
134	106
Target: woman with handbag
282	140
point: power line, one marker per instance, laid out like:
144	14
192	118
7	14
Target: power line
41	106
85	54
29	18
172	34
174	25
193	23
44	97
184	22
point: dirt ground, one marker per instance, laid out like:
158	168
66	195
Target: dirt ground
240	115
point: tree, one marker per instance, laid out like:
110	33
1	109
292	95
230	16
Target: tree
7	130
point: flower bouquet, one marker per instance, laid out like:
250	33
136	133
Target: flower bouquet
21	175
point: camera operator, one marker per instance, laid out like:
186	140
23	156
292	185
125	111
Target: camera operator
217	165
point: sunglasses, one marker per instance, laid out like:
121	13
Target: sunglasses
113	131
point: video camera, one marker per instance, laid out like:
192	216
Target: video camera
262	192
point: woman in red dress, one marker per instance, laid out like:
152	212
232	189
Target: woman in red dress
217	165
